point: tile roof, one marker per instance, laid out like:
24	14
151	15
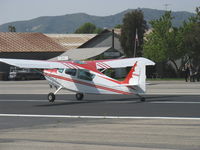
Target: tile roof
71	41
28	42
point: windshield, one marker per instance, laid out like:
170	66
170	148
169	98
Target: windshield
71	72
85	75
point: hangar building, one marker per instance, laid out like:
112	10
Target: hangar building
46	46
26	46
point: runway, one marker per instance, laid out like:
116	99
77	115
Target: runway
103	105
114	122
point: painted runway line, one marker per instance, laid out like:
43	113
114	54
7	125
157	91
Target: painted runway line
98	117
175	102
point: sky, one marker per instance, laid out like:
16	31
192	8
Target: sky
18	10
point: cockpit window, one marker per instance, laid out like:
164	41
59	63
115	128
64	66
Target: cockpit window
85	75
71	72
60	70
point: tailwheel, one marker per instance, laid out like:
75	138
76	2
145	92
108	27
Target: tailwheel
142	99
51	97
79	96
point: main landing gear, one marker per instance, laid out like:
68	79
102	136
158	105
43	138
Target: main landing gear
52	96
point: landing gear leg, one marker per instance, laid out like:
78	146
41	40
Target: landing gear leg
52	96
79	96
142	99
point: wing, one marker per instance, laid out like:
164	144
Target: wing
99	64
120	63
37	64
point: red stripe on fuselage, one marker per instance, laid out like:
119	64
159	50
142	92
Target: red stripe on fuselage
87	84
51	70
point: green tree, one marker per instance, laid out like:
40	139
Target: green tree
190	42
162	44
88	28
167	43
133	22
118	26
11	28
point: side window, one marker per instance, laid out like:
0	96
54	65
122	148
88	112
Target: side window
85	75
71	72
60	70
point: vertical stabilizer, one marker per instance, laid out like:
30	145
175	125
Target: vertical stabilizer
137	77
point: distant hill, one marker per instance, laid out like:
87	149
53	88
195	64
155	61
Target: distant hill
70	22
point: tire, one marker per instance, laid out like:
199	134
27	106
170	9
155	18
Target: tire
142	99
51	97
79	96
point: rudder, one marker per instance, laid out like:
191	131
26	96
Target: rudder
137	77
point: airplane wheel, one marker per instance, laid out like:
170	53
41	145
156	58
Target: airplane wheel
142	99
51	97
79	96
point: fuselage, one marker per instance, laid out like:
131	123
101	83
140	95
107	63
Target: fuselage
86	80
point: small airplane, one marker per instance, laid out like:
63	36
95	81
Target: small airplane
86	77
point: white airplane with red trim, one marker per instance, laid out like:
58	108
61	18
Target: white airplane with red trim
86	77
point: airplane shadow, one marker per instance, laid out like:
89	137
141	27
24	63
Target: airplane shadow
131	100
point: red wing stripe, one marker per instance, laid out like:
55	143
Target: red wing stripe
106	65
87	84
72	66
68	66
100	66
76	67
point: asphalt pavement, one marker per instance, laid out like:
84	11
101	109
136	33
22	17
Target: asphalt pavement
106	105
169	119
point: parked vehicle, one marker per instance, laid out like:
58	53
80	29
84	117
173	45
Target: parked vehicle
24	74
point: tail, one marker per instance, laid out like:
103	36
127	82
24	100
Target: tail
137	77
